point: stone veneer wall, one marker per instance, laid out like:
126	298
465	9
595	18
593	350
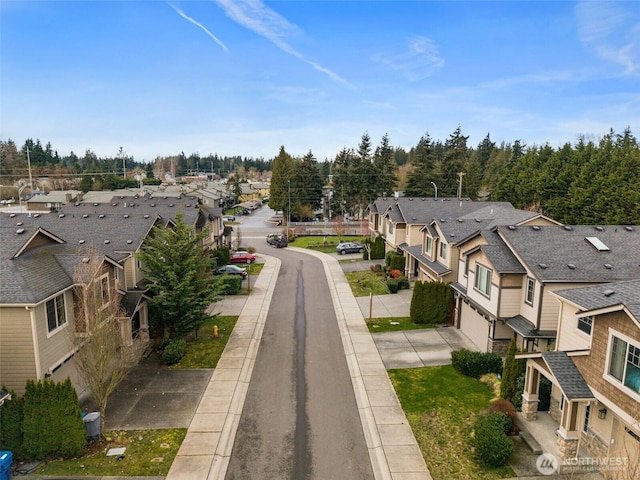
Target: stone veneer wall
594	444
498	347
554	409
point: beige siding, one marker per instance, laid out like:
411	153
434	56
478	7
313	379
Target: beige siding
57	346
17	356
414	235
474	326
510	299
490	304
569	337
129	272
550	309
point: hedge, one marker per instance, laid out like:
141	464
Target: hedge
230	284
492	446
431	302
476	364
11	419
174	351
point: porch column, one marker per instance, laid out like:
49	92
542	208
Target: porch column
530	395
567	440
127	340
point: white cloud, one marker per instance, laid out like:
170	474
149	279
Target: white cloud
417	60
197	24
257	17
612	30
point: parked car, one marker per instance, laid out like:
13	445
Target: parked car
242	257
276	240
228	218
349	247
231	270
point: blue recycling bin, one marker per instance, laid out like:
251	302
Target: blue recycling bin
5	465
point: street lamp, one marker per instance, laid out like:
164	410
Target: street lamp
436	188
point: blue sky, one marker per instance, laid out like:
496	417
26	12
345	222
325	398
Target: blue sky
245	77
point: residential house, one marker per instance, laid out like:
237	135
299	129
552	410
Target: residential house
53	201
595	373
436	258
506	274
36	272
400	220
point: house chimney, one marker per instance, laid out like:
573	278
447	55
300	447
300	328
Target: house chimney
67	196
80	196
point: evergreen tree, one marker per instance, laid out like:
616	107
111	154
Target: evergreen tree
181	277
423	160
455	157
385	169
306	186
281	178
513	368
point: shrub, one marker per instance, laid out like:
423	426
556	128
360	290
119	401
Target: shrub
174	351
49	409
404	283
505	406
393	286
377	248
475	364
230	284
389	255
221	256
251	249
492	446
377	268
395	273
431	302
397	262
11	418
513	368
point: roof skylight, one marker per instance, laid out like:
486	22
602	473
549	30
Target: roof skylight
597	243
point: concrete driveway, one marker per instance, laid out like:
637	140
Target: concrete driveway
420	348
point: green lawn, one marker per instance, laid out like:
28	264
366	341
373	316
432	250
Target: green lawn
383	324
316	242
203	350
441	405
149	453
366	282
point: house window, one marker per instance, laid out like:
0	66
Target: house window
585	324
531	283
467	262
483	279
624	363
390	227
104	284
429	246
587	413
56	314
442	253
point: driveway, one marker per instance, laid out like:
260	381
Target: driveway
420	348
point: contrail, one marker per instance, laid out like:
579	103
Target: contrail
197	24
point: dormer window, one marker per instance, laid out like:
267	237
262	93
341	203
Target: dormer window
442	251
428	248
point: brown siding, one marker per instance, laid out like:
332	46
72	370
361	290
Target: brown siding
593	366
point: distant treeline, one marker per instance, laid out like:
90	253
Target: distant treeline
586	182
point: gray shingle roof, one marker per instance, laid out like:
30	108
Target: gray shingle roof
608	295
562	253
502	259
570	380
110	229
526	329
416	252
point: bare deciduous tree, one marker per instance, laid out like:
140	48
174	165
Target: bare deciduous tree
102	357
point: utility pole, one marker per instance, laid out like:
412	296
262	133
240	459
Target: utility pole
29	165
289	210
460	174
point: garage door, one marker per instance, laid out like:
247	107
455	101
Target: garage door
474	326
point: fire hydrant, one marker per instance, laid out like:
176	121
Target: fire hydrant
215	331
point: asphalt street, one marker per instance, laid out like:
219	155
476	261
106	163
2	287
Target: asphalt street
300	419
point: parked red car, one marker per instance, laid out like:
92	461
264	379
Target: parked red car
242	257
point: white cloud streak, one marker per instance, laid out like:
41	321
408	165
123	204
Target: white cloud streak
612	30
417	61
198	24
257	17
